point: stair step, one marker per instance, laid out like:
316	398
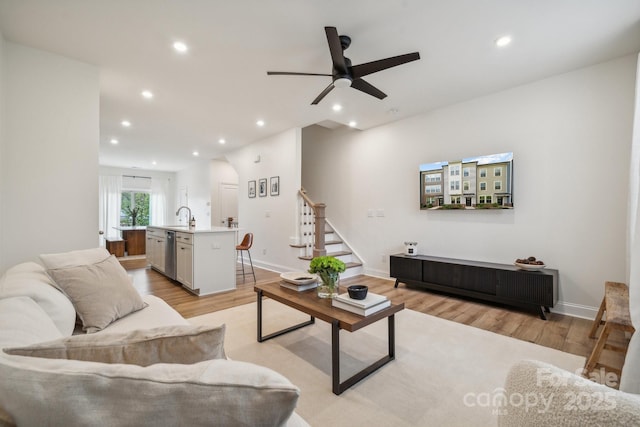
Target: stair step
353	264
333	242
334	254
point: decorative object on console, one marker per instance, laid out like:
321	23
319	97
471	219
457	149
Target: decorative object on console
410	248
328	269
530	263
483	182
358	291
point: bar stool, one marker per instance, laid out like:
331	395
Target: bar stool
245	245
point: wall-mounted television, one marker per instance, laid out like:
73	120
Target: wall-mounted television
482	182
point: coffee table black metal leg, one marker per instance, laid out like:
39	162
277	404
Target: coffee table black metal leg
262	338
339	387
335	357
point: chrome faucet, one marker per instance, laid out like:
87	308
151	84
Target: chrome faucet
189	211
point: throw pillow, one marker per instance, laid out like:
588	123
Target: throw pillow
170	344
100	293
74	258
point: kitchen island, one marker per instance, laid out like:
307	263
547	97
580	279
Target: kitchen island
134	239
202	260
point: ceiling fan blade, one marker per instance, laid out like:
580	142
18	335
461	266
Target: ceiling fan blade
323	94
368	88
362	70
288	73
335	47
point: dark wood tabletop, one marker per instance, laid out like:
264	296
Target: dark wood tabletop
308	302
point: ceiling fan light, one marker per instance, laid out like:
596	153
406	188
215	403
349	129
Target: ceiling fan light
342	82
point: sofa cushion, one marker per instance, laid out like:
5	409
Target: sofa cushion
100	292
23	322
172	344
30	279
74	393
156	313
74	258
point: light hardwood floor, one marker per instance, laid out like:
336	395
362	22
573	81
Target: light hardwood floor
560	332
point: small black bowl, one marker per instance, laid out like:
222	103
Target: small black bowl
358	291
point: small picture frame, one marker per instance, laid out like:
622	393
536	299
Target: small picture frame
262	187
252	189
275	186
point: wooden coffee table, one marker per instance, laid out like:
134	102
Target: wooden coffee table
309	303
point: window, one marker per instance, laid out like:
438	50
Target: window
454	170
432	177
465	186
455	200
134	208
465	172
488	199
455	185
497	172
483	186
497	185
483	173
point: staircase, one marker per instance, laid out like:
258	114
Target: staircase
317	237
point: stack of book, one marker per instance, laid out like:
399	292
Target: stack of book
299	281
364	307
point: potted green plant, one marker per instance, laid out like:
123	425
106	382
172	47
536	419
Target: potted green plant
328	268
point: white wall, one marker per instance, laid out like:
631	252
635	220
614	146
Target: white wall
2	139
49	154
197	181
272	219
571	138
221	173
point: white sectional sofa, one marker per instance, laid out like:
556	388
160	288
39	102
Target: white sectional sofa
141	364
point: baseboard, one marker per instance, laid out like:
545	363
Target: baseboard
575	310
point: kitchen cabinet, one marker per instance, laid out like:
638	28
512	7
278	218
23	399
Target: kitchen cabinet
184	259
156	243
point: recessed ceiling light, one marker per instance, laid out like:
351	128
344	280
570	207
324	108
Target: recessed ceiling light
353	123
337	107
503	41
222	141
147	94
260	123
154	163
114	141
195	153
126	123
180	47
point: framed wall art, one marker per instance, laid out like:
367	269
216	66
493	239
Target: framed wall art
262	187
252	189
473	183
275	185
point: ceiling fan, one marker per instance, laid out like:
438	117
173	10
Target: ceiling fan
344	74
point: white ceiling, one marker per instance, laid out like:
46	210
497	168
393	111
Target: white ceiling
220	87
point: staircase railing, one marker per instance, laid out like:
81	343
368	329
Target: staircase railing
312	225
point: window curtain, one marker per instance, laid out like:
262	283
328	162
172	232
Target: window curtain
630	380
109	191
158	202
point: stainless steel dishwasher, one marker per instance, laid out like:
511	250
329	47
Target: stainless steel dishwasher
170	256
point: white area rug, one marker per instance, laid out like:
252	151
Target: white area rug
443	375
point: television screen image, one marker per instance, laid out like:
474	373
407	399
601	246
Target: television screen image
482	182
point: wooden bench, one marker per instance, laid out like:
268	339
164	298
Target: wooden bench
115	246
615	305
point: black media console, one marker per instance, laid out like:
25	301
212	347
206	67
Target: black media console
500	283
